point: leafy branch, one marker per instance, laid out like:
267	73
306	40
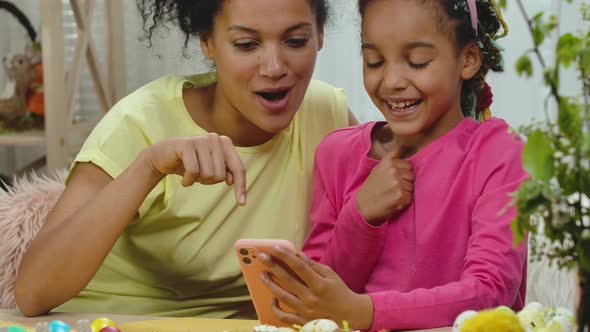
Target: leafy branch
538	29
554	203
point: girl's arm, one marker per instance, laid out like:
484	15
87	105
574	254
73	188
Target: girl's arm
342	239
492	274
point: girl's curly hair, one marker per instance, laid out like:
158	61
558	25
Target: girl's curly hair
455	18
195	17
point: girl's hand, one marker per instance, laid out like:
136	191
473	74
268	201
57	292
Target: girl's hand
387	190
313	291
206	159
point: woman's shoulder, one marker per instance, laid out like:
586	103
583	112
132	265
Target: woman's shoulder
162	89
323	109
346	142
322	97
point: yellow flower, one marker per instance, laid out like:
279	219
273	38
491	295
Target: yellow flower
493	321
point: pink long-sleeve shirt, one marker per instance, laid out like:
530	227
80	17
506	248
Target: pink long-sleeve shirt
451	250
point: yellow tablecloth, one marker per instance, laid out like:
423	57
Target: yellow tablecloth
144	323
134	323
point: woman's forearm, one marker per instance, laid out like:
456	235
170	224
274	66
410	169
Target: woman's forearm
66	253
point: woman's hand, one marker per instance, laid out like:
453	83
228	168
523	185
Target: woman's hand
313	291
387	190
206	159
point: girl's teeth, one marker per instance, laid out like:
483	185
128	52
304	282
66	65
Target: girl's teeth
402	105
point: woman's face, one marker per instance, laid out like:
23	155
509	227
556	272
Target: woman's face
265	53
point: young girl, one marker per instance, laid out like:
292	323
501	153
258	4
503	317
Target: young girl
409	218
146	224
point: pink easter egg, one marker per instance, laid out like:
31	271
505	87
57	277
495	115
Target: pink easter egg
109	329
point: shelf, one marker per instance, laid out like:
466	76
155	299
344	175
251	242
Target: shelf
25	138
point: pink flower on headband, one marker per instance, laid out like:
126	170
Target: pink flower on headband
485	97
473	14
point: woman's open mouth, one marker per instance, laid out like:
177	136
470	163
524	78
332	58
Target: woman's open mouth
273	96
274	101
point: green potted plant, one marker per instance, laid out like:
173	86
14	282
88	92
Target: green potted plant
554	203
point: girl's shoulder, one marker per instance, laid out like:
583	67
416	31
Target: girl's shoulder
495	145
495	134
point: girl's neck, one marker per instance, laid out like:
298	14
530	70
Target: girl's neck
384	140
211	111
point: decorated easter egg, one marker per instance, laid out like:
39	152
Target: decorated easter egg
265	328
42	327
320	325
461	318
83	325
559	324
58	326
492	320
15	329
504	309
531	316
100	323
109	329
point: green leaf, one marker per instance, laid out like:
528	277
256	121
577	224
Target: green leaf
524	66
517	230
568	48
552	23
583	249
538	35
502	4
570	121
586	145
538	156
550	76
567	180
585	60
539	28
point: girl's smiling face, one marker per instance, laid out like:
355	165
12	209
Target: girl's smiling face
412	69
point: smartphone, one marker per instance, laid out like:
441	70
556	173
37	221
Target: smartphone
252	268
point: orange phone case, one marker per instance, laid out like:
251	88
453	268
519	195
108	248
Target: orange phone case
247	251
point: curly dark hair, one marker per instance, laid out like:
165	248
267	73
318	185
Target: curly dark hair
456	19
195	17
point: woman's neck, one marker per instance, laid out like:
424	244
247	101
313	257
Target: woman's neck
211	111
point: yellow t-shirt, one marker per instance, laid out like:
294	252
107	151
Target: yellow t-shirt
177	258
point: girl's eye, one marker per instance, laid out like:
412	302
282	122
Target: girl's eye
245	46
418	65
297	42
374	64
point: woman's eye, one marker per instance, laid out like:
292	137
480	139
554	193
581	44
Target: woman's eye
245	46
418	65
297	42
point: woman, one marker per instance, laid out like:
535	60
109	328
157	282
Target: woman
146	224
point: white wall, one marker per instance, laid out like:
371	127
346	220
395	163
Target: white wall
517	100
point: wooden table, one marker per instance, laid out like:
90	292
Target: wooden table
200	324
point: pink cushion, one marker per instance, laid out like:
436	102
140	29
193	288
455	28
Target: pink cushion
23	211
